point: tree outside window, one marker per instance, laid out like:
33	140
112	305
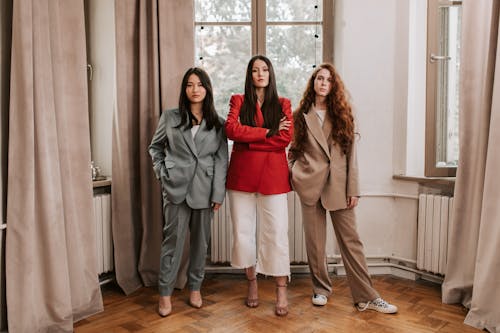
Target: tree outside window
291	33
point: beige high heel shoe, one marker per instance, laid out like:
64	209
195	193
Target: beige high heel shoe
165	307
195	302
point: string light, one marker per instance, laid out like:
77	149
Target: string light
201	46
316	34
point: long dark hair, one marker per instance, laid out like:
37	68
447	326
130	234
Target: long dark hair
339	111
208	108
271	108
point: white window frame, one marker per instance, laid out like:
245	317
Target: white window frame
259	24
432	140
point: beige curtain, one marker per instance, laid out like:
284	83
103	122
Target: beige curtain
154	46
52	278
472	276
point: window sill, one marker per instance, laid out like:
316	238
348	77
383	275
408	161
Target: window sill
102	182
426	180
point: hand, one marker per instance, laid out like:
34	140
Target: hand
284	124
215	206
352	202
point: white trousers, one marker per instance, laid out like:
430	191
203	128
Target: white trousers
260	232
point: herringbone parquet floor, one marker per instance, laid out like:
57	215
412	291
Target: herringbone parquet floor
419	302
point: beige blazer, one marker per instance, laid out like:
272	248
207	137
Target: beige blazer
323	172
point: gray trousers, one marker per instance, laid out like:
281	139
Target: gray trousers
351	250
178	218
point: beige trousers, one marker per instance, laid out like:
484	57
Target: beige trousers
351	250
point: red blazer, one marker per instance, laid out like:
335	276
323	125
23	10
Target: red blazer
258	164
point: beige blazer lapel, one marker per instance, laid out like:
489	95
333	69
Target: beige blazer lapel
314	125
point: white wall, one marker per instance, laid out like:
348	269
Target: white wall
372	55
415	148
102	57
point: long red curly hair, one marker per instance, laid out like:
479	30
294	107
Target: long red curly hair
338	110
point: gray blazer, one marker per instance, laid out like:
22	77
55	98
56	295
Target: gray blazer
191	169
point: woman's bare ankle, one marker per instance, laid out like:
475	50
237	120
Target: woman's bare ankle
250	273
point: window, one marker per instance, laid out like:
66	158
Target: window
295	35
443	65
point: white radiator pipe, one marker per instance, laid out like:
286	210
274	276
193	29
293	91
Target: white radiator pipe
390	195
380	257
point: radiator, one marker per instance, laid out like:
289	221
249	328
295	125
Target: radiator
220	250
434	215
104	238
296	239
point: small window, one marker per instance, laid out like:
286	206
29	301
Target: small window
296	35
443	68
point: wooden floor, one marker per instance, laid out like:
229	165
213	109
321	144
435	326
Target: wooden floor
420	309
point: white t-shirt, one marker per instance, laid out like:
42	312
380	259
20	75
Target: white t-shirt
194	129
321	115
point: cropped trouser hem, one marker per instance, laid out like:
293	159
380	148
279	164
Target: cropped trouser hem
287	274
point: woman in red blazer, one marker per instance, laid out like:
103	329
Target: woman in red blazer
260	124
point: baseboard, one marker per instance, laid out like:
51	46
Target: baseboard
403	268
395	270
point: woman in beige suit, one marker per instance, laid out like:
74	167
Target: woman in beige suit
324	173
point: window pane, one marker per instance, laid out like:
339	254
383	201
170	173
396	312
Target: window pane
299	10
448	87
222	10
294	50
223	51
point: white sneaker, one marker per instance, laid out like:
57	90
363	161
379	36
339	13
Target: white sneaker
379	305
319	300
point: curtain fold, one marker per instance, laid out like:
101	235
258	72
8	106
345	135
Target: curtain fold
473	263
143	43
5	47
133	181
51	266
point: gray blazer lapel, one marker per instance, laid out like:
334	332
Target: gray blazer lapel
186	132
314	126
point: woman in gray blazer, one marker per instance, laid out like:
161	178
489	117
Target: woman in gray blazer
190	157
324	173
